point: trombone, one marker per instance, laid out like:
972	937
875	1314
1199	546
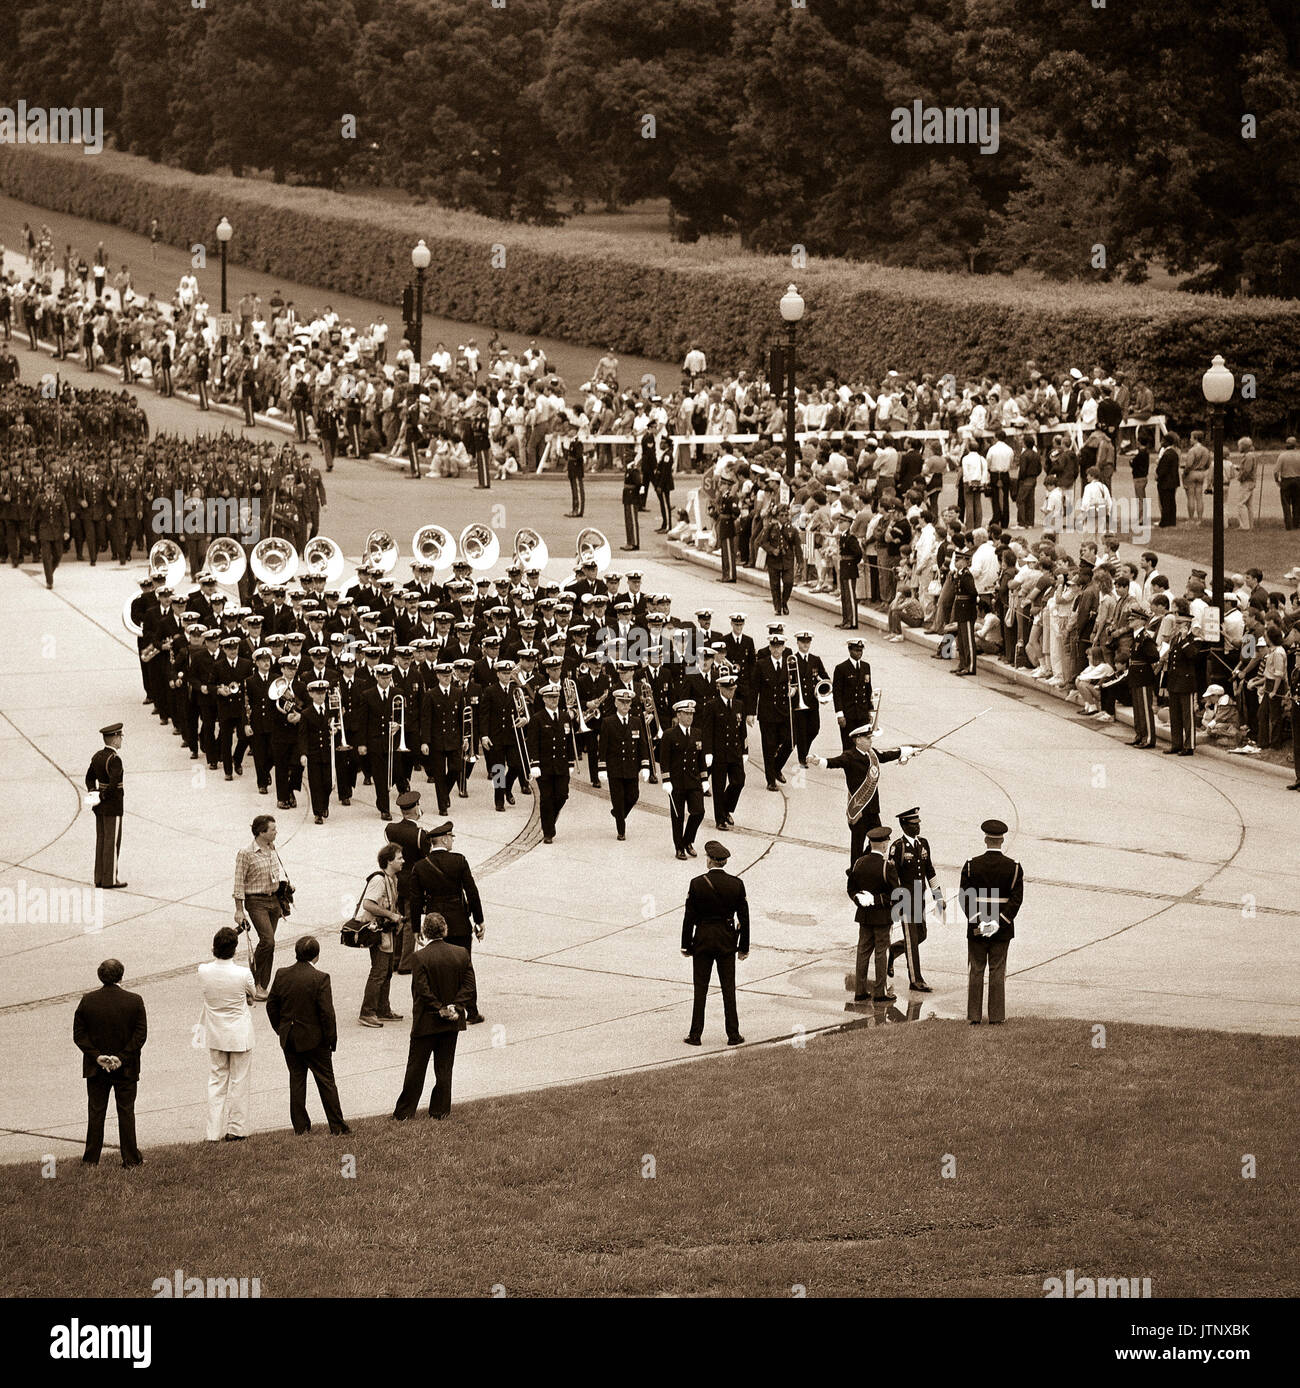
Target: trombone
577	723
467	756
398	708
793	690
520	718
337	728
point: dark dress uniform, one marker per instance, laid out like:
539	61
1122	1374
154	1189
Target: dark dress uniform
631	502
728	743
1143	658
503	753
964	606
623	750
316	743
851	696
548	750
855	766
992	889
808	720
232	711
850	560
914	864
1181	682
681	756
770	690
50	524
105	775
261	717
442	882
574	458
875	875
715	928
379	724
440	732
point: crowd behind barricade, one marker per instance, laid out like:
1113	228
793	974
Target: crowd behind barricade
80	476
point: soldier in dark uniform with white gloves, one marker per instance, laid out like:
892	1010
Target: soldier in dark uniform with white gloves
914	863
684	762
872	886
316	747
715	930
626	757
104	780
992	889
548	756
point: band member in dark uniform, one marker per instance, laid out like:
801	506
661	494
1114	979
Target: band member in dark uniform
715	930
992	889
548	755
104	778
914	864
443	883
851	692
380	735
861	763
728	744
684	762
316	747
770	687
872	884
809	672
625	756
964	606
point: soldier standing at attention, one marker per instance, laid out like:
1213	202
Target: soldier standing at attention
104	780
992	888
914	864
715	930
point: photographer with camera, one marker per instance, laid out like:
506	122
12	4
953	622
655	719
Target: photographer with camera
262	889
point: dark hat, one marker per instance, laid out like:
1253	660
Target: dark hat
111	730
912	814
719	852
408	799
439	830
880	833
993	828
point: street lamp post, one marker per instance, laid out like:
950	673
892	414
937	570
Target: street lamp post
792	312
1218	385
420	257
224	232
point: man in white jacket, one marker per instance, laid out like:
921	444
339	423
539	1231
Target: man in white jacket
226	1029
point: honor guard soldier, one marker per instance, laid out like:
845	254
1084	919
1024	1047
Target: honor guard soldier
851	692
316	747
548	755
684	762
625	757
1143	658
992	889
771	687
872	885
442	883
861	763
965	602
809	672
728	745
631	497
715	931
912	861
1180	661
104	778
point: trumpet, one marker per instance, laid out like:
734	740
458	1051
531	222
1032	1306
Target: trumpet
822	689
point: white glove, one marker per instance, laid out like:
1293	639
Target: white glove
645	773
668	786
534	772
815	760
708	759
603	777
863	898
907	753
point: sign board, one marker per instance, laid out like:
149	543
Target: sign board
225	325
414	369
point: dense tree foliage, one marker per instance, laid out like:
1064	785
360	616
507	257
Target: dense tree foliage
1130	134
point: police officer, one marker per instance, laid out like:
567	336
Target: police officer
715	931
914	864
684	762
104	778
548	755
992	889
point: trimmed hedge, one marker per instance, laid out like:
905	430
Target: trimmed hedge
643	296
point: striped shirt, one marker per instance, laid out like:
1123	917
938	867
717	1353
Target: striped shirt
257	871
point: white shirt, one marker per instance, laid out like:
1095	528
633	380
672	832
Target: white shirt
974	469
984	567
227	1020
999	456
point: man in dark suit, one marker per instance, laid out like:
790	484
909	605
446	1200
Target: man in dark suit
992	889
851	692
442	990
872	884
442	884
110	1029
715	930
104	778
300	1007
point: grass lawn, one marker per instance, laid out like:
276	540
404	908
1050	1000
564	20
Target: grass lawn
1266	546
773	1168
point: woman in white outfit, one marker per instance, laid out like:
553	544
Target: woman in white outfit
226	1029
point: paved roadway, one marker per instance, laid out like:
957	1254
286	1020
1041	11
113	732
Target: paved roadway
1160	889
